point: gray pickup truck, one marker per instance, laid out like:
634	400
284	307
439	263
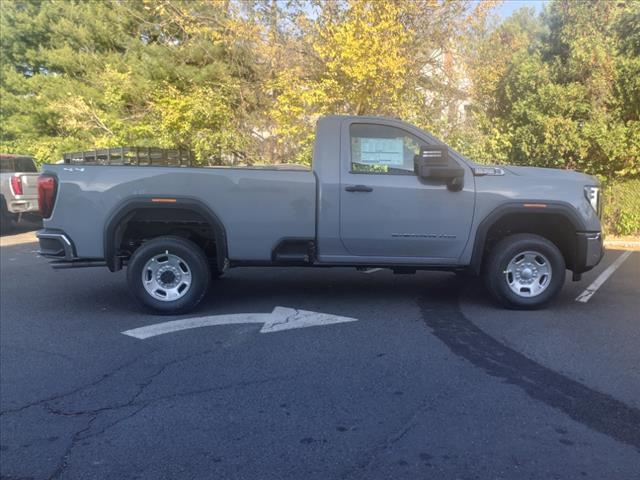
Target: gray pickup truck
18	189
380	193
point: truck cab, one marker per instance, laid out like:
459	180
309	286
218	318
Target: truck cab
378	205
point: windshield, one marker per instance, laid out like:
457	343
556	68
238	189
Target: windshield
17	164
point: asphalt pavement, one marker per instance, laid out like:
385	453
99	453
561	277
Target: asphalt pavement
432	380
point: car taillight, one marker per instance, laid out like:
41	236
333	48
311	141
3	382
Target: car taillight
16	185
47	186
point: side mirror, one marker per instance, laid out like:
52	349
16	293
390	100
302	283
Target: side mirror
434	163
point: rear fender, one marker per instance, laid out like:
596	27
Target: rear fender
117	222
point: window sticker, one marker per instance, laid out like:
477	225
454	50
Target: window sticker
381	151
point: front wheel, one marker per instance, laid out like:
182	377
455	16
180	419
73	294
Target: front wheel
525	271
169	275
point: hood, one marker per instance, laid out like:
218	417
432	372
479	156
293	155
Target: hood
555	173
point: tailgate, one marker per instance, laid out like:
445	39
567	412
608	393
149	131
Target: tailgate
29	184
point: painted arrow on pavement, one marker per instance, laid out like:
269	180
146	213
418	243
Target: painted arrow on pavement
280	319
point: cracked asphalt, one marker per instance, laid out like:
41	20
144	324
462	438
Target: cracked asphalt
432	381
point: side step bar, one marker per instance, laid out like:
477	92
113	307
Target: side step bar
61	264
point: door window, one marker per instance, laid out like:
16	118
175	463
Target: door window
382	149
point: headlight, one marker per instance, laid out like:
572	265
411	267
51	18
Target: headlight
592	193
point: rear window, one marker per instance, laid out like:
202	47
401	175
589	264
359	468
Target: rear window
17	164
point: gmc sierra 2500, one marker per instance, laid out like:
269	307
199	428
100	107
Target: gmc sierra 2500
380	193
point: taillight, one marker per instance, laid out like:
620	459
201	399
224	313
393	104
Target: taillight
47	186
16	185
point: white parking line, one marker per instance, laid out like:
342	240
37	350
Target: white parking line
597	283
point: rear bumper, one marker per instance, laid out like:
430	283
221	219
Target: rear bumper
55	244
59	248
589	251
23	205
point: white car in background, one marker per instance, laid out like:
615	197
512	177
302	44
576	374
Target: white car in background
18	190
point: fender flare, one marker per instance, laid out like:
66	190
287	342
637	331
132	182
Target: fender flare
113	230
563	209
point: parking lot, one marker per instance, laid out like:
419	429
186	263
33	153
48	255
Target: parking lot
426	379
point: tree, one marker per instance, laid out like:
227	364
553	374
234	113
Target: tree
367	57
85	74
245	80
564	90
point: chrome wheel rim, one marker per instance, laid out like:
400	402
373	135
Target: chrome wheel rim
166	277
528	274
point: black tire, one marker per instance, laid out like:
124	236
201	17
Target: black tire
497	280
195	261
7	220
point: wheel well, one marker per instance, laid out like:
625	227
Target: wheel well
134	226
4	209
554	227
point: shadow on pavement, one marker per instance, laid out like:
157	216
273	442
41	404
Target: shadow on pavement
597	410
22	227
22	233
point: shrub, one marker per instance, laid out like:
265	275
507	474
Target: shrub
622	207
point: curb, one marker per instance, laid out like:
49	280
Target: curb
618	244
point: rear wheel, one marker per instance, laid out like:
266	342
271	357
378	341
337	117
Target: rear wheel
525	271
169	275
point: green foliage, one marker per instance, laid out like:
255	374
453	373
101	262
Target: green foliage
245	81
622	207
81	74
199	119
565	90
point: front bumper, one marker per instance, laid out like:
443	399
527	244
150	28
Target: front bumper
589	251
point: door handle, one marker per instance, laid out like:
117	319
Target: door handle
358	188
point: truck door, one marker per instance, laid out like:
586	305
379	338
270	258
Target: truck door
386	210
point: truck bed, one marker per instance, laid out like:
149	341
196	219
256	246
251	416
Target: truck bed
258	207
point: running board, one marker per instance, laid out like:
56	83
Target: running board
59	265
294	251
